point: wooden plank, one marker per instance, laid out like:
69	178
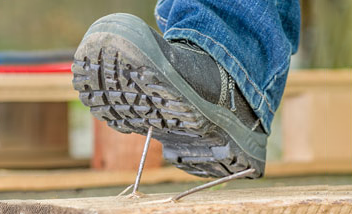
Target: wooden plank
58	87
34	135
316	118
37	88
42	162
282	169
318	80
304	199
312	77
72	179
11	180
317	126
33	125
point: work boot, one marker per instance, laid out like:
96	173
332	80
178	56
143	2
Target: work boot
132	78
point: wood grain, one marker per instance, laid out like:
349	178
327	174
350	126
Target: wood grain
34	180
36	88
289	200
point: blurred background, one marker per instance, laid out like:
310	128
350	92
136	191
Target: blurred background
50	142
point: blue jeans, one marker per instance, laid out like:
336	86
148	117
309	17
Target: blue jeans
252	39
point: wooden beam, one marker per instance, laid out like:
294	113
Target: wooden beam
42	162
36	88
282	169
25	180
58	87
318	80
71	179
319	76
304	199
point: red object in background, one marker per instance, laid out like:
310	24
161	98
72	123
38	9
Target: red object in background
64	67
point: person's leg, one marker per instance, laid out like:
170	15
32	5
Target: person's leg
253	40
133	78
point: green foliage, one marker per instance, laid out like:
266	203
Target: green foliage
60	24
326	33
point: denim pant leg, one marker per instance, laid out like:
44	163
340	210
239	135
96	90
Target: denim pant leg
252	39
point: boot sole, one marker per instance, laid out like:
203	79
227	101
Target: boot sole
131	85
